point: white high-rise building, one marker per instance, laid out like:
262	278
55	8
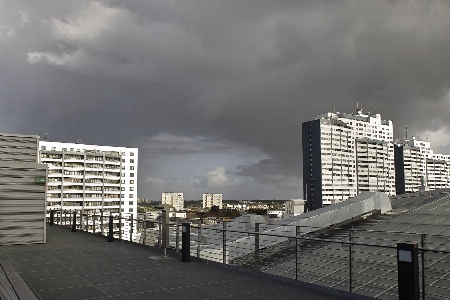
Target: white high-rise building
209	200
92	179
176	200
433	167
346	154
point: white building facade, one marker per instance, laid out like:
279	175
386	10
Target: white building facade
176	200
346	154
209	200
92	179
416	163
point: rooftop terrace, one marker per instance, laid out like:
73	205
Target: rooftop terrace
79	265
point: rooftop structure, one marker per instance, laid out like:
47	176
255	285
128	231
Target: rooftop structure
23	190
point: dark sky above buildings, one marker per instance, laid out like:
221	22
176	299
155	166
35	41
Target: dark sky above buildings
213	93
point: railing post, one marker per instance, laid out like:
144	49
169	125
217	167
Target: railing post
131	229
177	237
101	222
350	262
199	236
159	230
51	217
422	244
145	229
256	245
74	221
120	226
297	250
111	229
93	223
224	243
165	230
186	242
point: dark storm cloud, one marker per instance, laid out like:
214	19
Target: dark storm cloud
244	72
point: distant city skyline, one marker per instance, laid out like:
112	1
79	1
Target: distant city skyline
214	93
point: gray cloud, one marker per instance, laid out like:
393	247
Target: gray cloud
223	79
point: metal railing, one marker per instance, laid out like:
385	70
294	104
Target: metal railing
348	262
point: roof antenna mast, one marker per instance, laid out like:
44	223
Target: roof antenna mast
45	137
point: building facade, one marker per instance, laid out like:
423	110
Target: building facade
417	165
93	179
209	200
176	200
409	168
346	154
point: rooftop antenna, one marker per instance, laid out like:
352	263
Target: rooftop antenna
45	137
406	130
79	140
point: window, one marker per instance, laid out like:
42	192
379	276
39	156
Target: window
131	168
122	181
131	174
132	161
122	188
131	181
122	195
131	195
43	148
131	210
123	160
122	203
122	210
131	188
131	203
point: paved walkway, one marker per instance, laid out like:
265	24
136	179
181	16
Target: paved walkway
85	266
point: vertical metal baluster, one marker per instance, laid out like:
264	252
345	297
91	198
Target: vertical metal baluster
224	243
131	229
120	226
297	250
350	254
199	237
256	245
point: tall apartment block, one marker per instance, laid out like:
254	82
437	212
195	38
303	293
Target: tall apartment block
209	200
92	179
346	154
416	162
176	200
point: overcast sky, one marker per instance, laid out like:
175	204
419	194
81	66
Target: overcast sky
213	93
